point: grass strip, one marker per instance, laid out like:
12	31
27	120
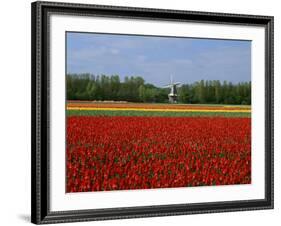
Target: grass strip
156	113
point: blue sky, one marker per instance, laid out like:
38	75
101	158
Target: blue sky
156	58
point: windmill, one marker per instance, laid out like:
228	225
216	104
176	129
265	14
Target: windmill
173	96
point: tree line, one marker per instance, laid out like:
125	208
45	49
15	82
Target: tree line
135	89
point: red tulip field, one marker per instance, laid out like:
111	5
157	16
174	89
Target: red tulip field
120	148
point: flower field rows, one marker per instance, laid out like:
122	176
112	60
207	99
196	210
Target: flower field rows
158	109
137	152
164	110
147	106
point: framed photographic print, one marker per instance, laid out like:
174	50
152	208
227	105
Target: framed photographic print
141	112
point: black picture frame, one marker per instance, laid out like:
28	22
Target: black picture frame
40	211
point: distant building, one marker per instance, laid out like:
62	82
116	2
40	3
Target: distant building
173	95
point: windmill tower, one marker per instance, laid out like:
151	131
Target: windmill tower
173	95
